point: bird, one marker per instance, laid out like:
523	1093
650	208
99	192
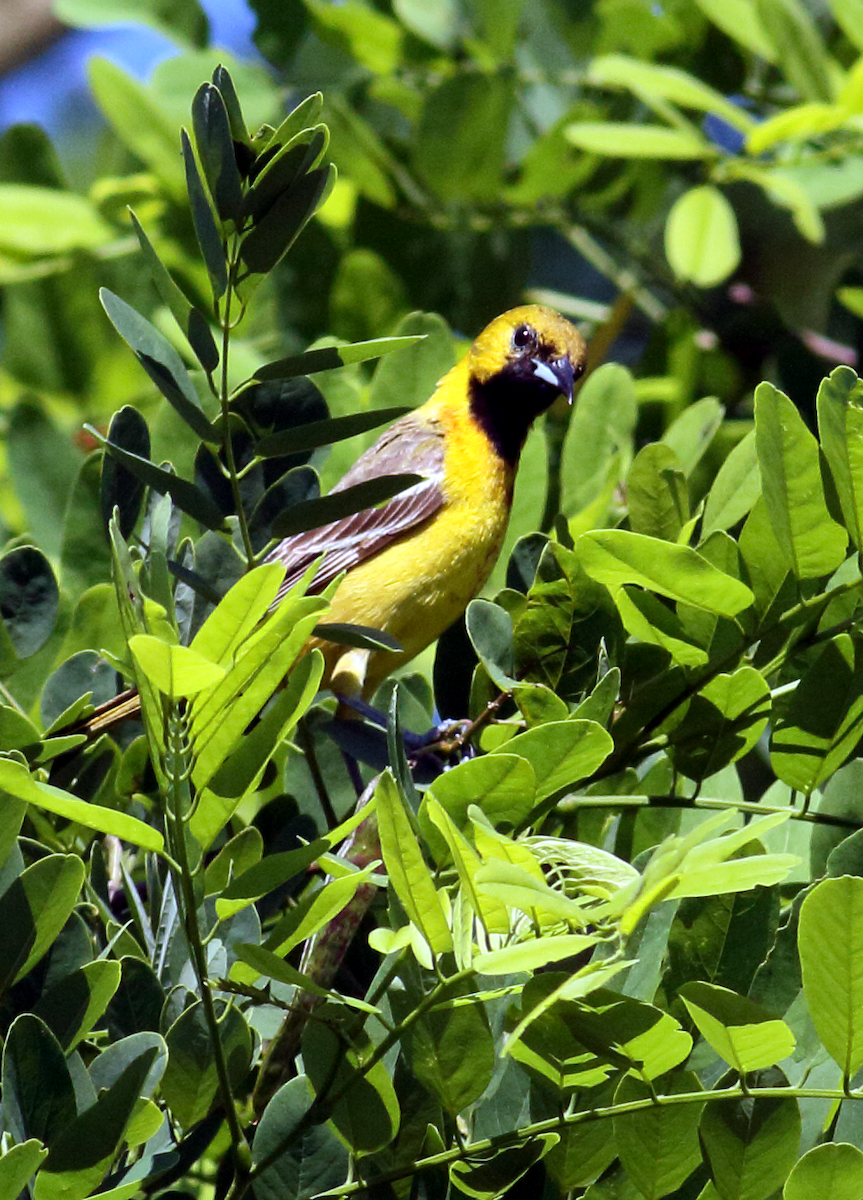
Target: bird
410	567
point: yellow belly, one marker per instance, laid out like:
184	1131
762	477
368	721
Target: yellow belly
418	585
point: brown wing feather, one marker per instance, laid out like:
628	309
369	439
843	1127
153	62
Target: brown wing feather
408	445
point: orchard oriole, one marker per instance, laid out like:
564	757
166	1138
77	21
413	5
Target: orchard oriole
412	566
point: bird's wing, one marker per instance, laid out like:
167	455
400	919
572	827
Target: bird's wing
410	445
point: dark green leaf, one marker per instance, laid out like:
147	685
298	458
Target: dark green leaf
492	1173
451	1052
225	84
120	488
721	724
38	1096
216	150
33	910
822	724
367	1115
73	1005
751	1144
29	599
85	558
362	637
658	1146
283	171
161	362
191	321
314	513
323	433
206	230
190	1081
315	1163
185	495
273	235
489	628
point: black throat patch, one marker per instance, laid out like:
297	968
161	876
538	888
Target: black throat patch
506	406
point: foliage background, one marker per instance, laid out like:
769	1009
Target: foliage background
683	180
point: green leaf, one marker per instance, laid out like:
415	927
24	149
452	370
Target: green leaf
216	151
797	45
272	236
840	425
822	724
409	876
206	229
656	493
79	1159
411	375
658	1146
187	496
751	1145
38	1094
138	120
371	38
29	599
830	942
181	22
811	540
313	434
33	910
691	434
161	362
503	785
722	723
461	140
191	1081
16	779
491	1174
702	243
735	489
43	467
848	15
669	83
451	1052
313	1163
532	954
739	1030
561	752
120	488
311	514
72	1006
489	628
615	557
649	620
739	20
179	672
367	1115
36	221
330	358
834	1169
617	139
17	1165
191	320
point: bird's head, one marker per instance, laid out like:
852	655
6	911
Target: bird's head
517	367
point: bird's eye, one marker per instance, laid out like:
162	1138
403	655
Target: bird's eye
523	336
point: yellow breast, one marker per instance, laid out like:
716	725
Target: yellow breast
419	584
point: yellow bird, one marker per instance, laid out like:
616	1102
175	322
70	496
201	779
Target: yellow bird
413	565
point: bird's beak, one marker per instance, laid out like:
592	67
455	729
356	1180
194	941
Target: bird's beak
560	374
